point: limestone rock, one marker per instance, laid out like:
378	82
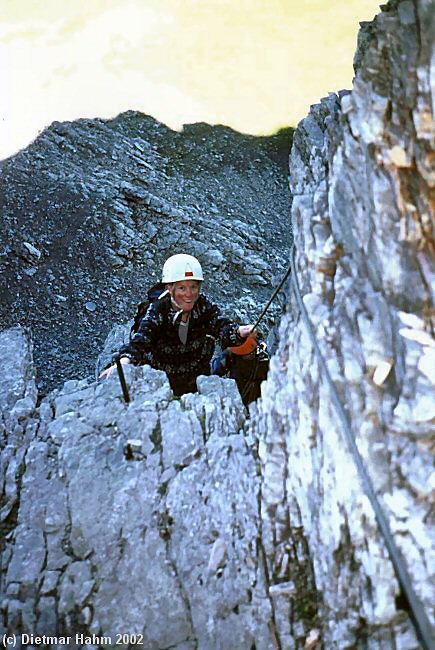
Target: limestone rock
121	509
360	219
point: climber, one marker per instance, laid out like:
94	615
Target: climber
177	331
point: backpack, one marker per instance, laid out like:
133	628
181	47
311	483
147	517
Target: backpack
152	295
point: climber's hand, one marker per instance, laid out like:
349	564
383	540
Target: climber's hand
110	370
246	330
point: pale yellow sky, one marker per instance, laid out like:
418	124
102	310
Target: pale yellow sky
255	65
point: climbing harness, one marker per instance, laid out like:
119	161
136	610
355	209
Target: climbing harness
417	613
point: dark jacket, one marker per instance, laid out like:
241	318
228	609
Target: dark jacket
157	341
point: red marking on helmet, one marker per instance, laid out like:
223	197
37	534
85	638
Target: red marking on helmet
188	274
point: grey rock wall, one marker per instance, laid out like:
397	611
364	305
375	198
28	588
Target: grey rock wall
137	519
363	202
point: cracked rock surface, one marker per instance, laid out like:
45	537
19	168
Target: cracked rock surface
139	518
362	217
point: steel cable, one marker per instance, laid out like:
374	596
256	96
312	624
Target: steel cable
272	298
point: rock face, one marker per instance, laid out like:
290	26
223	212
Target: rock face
363	186
92	208
191	526
140	519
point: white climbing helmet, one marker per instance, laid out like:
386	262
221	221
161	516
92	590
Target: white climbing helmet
181	267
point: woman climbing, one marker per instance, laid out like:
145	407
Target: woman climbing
178	329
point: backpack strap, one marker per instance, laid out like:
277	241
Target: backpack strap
157	292
140	313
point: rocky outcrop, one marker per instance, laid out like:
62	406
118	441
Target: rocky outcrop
362	213
138	519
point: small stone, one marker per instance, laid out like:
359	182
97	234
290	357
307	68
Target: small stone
134	450
399	157
214	257
30	272
418	336
282	588
312	640
406	12
258	279
50	582
218	556
13	589
91	306
382	371
33	250
87	615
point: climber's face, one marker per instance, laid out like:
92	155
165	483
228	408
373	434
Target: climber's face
185	293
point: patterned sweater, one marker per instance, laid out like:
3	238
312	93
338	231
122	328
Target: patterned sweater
158	344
